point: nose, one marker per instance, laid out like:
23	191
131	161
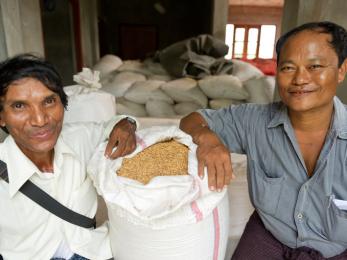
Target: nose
301	76
38	117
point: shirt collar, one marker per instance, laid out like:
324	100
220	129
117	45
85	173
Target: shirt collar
20	168
339	123
279	115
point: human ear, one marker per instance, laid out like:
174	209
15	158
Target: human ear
342	71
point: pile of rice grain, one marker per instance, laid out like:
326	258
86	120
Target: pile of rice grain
161	159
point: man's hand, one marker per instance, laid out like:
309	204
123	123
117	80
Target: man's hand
212	154
122	136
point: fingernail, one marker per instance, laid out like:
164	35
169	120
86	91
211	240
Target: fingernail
201	176
225	187
219	190
212	188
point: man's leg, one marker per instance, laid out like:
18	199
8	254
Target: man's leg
257	243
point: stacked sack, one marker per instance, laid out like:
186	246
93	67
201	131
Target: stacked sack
146	89
167	217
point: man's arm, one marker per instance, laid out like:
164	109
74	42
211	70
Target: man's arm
211	152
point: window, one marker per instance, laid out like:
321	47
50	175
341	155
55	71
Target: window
250	41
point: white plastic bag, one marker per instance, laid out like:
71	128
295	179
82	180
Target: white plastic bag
171	217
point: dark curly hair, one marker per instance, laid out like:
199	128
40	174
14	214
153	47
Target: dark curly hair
30	66
337	32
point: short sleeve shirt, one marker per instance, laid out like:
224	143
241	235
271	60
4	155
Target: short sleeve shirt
297	210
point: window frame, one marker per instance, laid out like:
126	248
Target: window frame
247	27
245	53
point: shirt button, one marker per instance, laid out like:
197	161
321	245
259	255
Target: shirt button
299	216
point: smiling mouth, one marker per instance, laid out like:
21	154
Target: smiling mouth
300	92
42	134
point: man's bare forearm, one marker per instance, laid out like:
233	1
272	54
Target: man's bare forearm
192	124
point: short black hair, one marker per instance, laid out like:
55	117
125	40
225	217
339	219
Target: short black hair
31	66
337	32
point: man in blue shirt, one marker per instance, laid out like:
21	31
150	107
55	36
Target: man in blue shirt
296	151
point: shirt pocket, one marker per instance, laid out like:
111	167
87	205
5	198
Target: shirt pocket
265	189
335	222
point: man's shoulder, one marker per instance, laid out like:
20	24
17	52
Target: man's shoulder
81	135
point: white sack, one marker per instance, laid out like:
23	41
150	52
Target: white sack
272	86
160	77
88	79
186	108
92	106
126	107
134	66
119	83
185	90
260	90
140	92
155	67
107	64
245	71
157	108
205	240
220	103
175	217
223	86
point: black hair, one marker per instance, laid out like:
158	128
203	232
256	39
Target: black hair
30	66
338	37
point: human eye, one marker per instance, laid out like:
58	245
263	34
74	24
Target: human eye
50	100
315	66
18	105
287	68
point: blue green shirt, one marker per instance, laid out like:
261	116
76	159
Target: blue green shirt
297	210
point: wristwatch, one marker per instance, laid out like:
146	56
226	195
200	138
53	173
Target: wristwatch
131	121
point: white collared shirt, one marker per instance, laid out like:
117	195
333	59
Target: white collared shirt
27	231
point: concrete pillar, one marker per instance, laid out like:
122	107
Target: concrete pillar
220	18
89	32
21	28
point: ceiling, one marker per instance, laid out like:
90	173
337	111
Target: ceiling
269	3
